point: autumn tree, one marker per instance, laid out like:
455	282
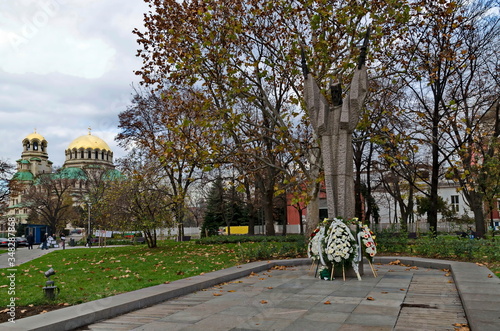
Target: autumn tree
439	61
484	171
6	171
50	200
177	129
140	200
244	55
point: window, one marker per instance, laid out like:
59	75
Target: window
35	146
81	155
455	203
89	155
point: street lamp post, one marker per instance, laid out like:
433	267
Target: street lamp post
90	207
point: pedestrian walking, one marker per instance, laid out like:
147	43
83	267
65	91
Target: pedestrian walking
31	241
45	237
63	240
89	241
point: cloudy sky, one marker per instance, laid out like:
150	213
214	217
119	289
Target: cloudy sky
65	65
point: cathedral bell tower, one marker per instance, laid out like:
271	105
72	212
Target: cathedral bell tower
34	157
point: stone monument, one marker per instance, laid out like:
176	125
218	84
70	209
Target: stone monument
334	124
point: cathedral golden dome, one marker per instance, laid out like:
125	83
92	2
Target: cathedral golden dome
89	142
35	135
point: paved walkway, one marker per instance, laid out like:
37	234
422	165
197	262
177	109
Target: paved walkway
415	294
291	299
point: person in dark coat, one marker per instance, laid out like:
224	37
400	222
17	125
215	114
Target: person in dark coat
31	241
44	241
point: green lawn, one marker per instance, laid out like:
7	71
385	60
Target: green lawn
85	274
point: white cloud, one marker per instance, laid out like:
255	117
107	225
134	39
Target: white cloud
47	40
70	67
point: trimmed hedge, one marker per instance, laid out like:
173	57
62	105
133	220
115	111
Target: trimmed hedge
234	239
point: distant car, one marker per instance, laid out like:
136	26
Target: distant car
20	241
76	231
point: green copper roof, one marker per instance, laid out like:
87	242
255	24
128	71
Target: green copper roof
25	161
112	174
72	173
35	159
23	175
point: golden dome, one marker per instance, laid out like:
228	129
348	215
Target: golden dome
35	135
89	141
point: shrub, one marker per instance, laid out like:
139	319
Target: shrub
234	239
271	250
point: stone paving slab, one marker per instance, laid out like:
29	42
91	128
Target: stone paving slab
332	308
294	300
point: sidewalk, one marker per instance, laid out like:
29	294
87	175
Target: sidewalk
284	295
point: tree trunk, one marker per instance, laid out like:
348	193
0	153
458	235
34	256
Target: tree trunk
252	212
475	200
312	217
433	208
268	211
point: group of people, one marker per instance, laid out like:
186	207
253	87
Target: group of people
46	241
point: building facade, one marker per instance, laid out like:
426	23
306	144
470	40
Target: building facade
85	155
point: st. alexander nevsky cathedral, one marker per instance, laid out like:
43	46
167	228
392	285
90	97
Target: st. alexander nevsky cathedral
85	153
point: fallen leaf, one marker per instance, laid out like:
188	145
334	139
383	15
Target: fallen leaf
167	282
384	292
263	302
269	287
217	294
327	302
370	298
23	311
402	289
490	276
231	291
